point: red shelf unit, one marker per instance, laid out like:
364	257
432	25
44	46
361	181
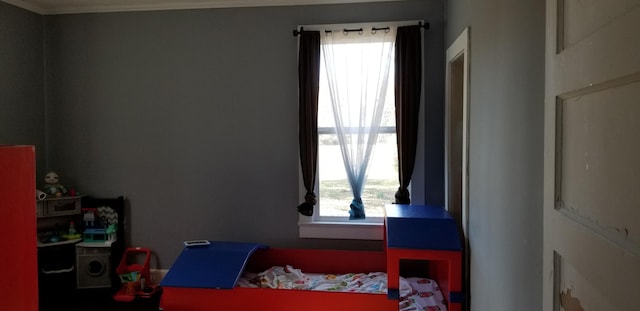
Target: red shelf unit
19	268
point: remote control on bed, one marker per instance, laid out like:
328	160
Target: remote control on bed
196	243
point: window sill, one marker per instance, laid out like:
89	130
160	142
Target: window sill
340	230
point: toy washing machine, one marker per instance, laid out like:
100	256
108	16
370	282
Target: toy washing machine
94	267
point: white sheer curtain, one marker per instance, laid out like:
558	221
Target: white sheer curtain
357	67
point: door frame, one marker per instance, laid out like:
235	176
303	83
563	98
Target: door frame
459	50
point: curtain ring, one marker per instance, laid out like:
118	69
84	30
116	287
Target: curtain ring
374	30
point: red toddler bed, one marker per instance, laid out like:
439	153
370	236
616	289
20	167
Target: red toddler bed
205	278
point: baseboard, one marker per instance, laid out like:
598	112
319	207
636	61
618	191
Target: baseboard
157	275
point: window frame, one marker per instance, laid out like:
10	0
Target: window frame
371	228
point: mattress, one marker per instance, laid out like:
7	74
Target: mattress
415	293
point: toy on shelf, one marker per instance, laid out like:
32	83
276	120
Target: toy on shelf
89	217
40	195
101	225
99	234
52	186
135	277
72	233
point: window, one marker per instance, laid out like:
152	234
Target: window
357	149
364	84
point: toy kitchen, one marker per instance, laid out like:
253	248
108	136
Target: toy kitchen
74	246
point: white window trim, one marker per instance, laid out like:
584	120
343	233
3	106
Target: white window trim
371	228
340	230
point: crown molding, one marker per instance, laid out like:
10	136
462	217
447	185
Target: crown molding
26	5
105	6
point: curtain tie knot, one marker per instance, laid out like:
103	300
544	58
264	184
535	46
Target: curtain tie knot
402	196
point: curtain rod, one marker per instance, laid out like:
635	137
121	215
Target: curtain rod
296	32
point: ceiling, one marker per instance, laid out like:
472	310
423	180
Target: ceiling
93	6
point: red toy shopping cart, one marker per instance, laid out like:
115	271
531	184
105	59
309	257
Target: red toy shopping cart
135	277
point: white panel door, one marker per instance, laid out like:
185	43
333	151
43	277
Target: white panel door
592	156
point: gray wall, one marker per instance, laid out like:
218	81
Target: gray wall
506	149
192	115
151	105
22	114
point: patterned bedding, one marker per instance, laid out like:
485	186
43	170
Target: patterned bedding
415	293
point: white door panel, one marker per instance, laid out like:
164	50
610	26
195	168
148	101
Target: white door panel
582	259
598	179
581	18
598	58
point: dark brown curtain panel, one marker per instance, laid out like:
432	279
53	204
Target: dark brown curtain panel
408	82
308	85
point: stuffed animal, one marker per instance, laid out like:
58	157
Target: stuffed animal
52	185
